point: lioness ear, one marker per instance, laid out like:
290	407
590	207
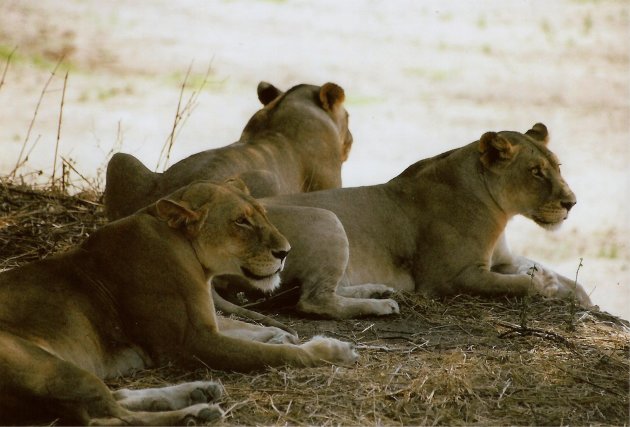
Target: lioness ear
331	95
239	184
494	148
177	215
539	133
267	92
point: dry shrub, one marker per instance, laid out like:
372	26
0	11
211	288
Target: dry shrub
456	361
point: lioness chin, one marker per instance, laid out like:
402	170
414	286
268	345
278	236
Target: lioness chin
437	228
134	295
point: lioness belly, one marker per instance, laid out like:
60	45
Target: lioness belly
88	355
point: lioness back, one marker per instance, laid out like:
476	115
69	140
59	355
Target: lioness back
297	142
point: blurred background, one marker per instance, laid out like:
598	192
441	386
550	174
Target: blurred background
420	77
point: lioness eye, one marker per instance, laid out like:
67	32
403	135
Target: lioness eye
537	172
243	221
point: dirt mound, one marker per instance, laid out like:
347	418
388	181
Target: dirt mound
458	361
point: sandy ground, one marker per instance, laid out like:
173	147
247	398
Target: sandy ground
420	78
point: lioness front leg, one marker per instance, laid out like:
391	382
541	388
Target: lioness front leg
234	354
479	281
199	414
269	334
548	283
169	398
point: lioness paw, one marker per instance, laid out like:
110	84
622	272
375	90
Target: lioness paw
202	414
331	350
367	290
279	336
205	392
550	284
385	307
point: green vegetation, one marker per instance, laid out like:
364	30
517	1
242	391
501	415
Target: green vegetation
196	81
358	100
482	24
6	51
546	28
587	24
610	251
35	59
431	74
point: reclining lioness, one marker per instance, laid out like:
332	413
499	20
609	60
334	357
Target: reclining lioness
296	143
437	228
133	295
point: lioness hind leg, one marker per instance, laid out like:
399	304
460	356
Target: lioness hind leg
44	387
367	290
37	376
339	307
169	398
318	261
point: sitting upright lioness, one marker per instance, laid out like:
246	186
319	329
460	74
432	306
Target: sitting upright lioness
135	294
296	143
436	228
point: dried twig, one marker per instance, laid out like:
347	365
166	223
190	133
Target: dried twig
170	140
6	67
181	116
525	300
275	296
525	331
573	300
68	163
63	97
20	162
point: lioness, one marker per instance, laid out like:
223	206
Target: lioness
296	143
135	294
436	228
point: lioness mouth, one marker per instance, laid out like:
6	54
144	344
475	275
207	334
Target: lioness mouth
250	275
545	222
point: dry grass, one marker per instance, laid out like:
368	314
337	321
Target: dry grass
451	362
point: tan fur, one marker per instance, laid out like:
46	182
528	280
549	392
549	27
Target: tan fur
135	294
436	228
296	143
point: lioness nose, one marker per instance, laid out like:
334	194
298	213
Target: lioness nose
281	255
568	204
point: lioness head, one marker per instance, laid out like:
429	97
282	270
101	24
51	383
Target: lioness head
523	176
326	100
228	230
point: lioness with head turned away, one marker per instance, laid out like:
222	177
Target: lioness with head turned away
133	295
296	143
436	228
